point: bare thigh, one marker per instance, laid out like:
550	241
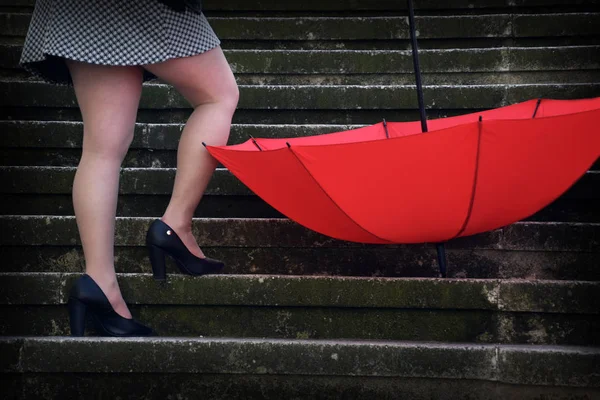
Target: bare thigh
108	98
202	79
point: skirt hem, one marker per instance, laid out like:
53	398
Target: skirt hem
50	60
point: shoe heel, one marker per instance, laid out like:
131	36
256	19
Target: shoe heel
157	260
77	312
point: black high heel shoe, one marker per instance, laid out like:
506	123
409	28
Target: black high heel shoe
162	240
87	297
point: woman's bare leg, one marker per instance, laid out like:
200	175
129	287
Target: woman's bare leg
108	97
207	82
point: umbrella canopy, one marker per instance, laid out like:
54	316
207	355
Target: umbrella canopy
391	183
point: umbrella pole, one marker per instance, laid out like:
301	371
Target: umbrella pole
441	250
415	54
441	256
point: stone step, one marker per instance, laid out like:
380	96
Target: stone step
390	44
414	261
58	143
379	27
48	135
444	310
283	233
355	116
145	192
68	135
429	27
284	97
431	61
365	5
159	181
387	5
565	251
301	369
507	59
564	209
448	79
137	157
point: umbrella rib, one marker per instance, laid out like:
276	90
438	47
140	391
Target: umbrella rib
387	135
255	142
329	197
475	177
537	105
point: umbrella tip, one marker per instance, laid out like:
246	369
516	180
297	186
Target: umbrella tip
288	145
480	118
204	144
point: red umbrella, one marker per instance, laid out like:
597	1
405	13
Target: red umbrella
394	183
468	174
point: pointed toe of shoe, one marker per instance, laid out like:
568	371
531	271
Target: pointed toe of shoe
144	330
214	266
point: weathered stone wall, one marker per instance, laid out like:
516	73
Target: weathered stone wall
301	315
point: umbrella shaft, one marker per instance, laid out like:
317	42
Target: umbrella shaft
415	54
442	261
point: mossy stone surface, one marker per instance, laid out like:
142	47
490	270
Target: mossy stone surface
284	233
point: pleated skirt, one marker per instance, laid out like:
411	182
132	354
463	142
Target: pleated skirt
110	32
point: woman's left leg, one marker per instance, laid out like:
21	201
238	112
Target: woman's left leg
207	82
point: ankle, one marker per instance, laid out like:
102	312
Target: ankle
107	282
179	225
183	229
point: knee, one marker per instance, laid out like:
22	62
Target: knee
233	95
225	96
233	91
110	146
229	96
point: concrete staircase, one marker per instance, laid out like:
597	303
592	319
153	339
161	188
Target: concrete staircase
300	315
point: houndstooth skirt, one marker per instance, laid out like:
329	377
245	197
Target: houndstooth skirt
110	32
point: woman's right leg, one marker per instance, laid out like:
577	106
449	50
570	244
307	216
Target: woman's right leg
108	98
